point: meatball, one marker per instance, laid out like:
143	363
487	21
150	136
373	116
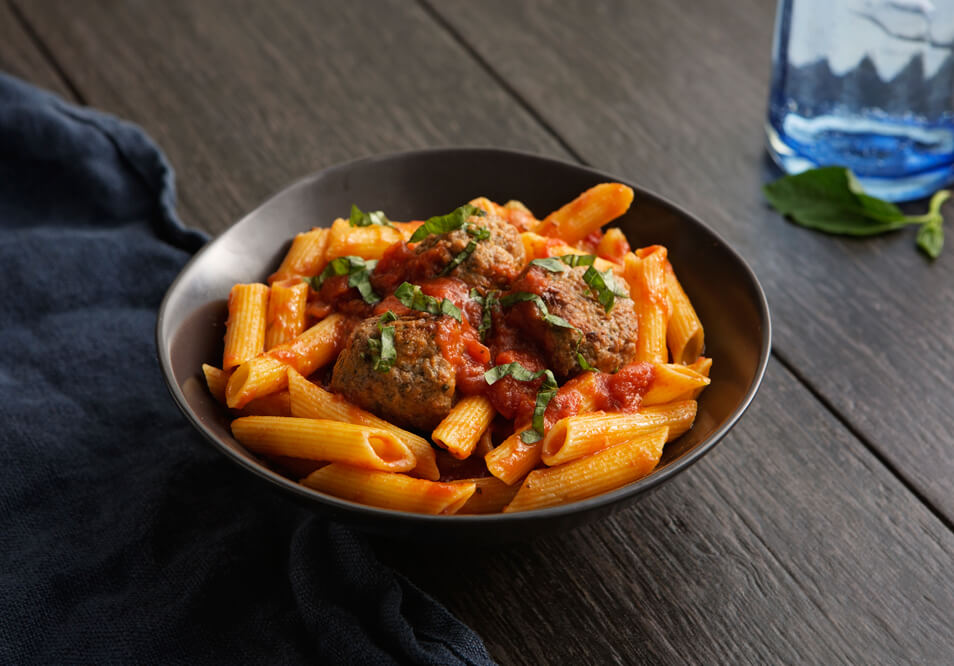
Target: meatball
418	390
607	341
493	264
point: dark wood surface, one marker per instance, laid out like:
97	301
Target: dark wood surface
819	531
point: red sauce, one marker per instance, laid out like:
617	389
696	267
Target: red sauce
624	390
515	399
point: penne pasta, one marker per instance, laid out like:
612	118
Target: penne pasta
286	313
490	208
311	401
366	242
216	380
673	382
245	328
646	278
390	491
491	495
588	212
462	428
593	475
584	434
684	333
613	246
538	247
511	461
273	404
322	439
305	257
267	373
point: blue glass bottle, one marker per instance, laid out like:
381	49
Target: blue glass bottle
866	84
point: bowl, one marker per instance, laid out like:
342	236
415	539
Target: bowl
415	185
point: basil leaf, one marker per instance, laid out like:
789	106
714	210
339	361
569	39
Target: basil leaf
479	234
487	315
383	349
412	297
575	260
552	319
605	287
443	224
545	394
361	219
516	370
313	281
830	200
552	264
583	364
358	271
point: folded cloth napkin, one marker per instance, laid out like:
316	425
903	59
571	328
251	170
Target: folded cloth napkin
124	538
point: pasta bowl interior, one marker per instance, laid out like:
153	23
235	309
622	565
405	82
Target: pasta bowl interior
724	294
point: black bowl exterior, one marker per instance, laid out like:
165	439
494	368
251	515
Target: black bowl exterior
415	185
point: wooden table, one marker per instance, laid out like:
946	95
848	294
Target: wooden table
820	530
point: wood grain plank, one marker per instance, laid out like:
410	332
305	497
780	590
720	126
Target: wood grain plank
788	544
675	100
246	97
21	57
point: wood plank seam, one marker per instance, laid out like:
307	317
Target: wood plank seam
47	54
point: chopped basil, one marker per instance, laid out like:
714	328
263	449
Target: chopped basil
479	234
412	297
361	219
487	310
552	319
359	276
605	287
544	394
443	224
552	264
578	259
582	361
384	352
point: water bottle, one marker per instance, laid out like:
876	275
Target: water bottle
869	85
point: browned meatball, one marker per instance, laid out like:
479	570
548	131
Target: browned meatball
417	391
608	339
494	263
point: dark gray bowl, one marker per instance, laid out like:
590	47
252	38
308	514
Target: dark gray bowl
415	185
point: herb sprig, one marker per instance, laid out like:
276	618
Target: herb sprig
831	199
359	218
442	224
548	389
412	297
358	271
383	349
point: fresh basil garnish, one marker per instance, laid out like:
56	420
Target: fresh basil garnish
545	393
575	260
520	296
487	310
831	200
478	234
412	297
361	219
358	271
552	264
605	287
442	224
383	349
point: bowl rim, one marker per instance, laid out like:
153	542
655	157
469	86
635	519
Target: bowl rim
372	513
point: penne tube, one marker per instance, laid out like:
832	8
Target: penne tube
267	373
407	229
613	246
584	434
520	216
593	475
684	334
490	208
491	495
311	401
511	461
245	328
673	382
647	284
366	242
216	380
678	415
321	439
273	404
389	491
588	212
305	257
286	313
463	426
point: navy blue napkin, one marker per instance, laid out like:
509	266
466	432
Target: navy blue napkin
124	538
